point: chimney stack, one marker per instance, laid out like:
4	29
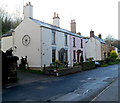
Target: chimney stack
28	10
91	33
56	20
100	36
73	26
79	33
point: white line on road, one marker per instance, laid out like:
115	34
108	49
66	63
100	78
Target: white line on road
100	93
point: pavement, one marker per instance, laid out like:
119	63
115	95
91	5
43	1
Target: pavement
110	93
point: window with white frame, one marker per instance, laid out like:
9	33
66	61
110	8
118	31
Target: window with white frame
81	43
66	40
73	41
74	55
53	37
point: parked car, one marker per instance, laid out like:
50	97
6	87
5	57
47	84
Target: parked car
97	64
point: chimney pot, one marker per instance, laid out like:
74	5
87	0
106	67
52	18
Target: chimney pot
91	33
57	15
29	3
100	36
79	33
54	14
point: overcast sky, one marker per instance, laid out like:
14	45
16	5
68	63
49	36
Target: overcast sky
98	15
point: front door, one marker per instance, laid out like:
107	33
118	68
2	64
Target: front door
78	57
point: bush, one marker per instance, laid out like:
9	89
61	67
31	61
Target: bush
117	59
90	59
113	55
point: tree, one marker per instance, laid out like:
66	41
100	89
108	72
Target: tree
113	55
109	39
7	22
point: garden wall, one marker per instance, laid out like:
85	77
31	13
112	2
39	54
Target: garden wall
88	65
70	70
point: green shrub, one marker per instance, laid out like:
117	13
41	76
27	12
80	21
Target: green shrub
117	59
90	59
113	55
76	64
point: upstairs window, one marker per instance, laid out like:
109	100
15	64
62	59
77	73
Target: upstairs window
65	40
81	43
74	55
73	41
53	38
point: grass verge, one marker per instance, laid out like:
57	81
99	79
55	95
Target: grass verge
33	71
111	63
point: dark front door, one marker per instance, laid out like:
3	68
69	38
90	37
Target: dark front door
62	55
78	57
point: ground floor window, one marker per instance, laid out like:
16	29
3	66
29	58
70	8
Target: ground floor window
53	55
74	55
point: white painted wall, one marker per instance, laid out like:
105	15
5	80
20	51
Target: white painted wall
47	45
33	50
60	43
6	43
93	49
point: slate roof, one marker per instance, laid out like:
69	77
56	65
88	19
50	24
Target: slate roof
6	35
54	27
9	33
99	39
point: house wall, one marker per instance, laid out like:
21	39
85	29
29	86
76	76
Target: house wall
6	43
77	47
33	50
47	45
93	49
104	50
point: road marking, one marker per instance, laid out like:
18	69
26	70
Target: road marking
93	100
85	92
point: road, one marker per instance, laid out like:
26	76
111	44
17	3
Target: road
75	87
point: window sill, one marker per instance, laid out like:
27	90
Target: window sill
53	44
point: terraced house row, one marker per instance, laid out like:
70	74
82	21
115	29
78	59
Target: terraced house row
45	43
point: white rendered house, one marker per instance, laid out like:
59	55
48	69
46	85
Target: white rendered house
41	42
96	47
